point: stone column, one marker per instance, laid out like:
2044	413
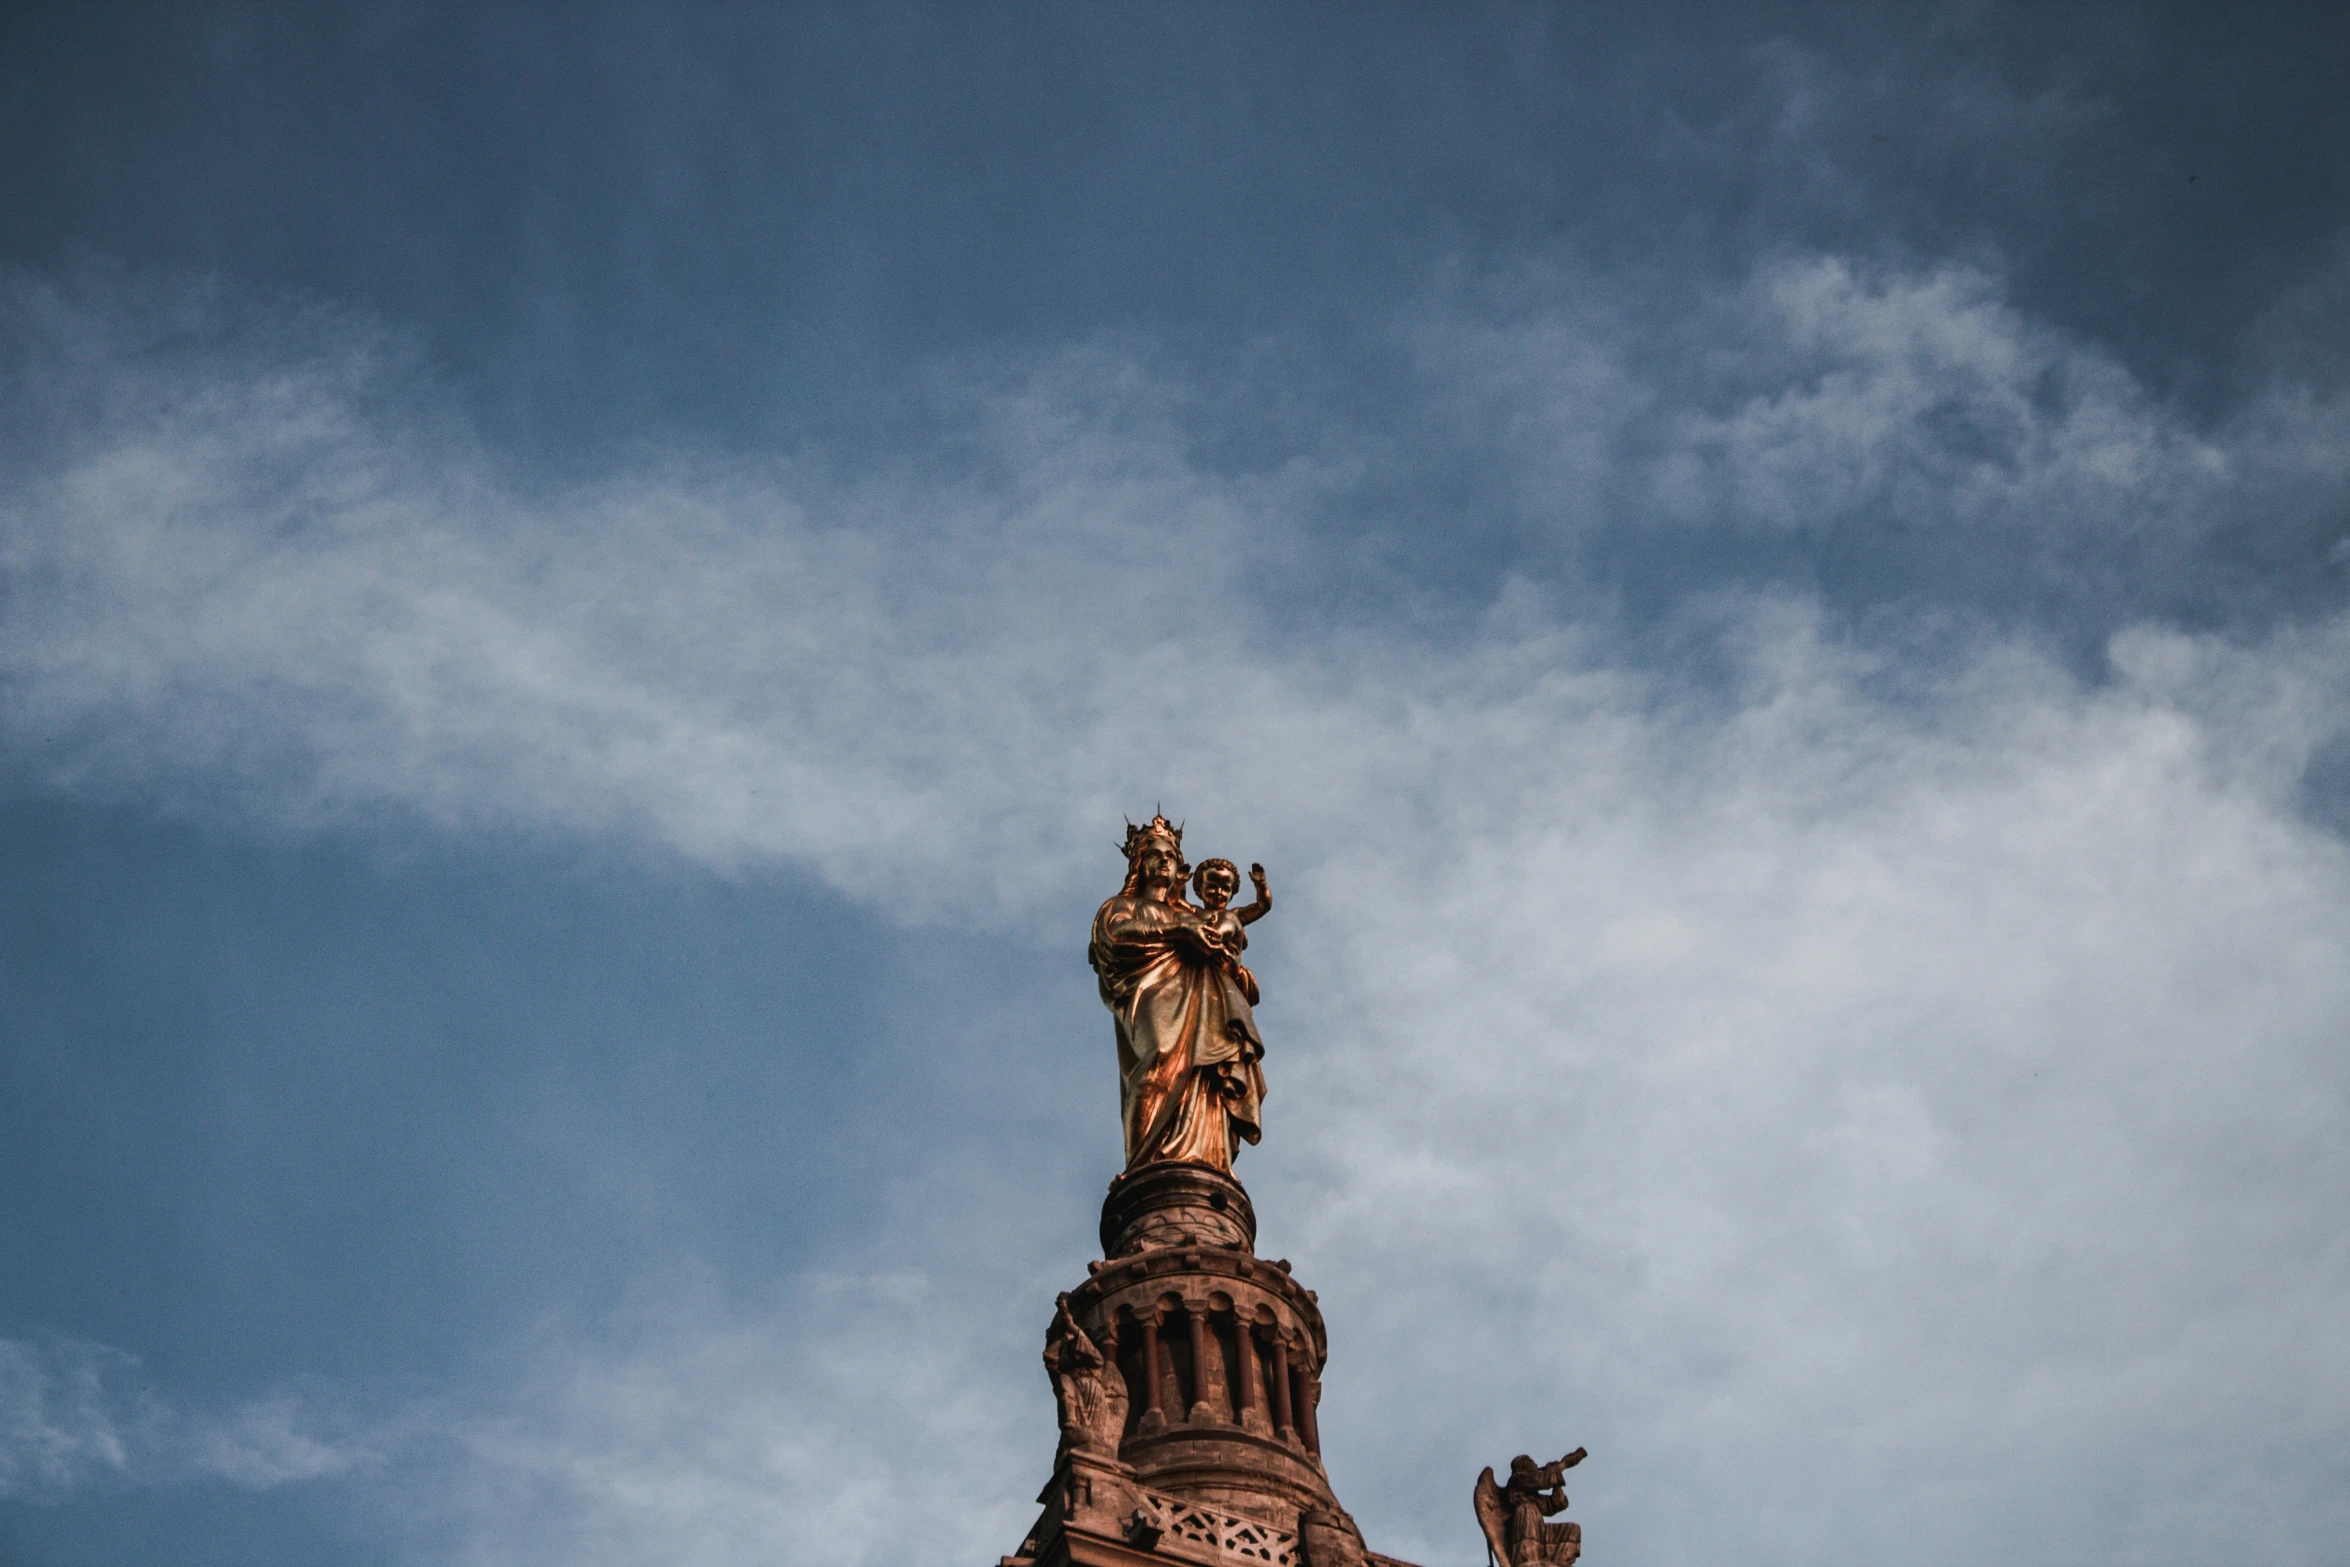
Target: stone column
1153	1419
1309	1393
1203	1406
1251	1413
1282	1425
1168	1381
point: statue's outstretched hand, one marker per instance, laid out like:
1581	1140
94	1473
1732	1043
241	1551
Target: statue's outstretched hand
1573	1458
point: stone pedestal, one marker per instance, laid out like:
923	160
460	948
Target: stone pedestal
1164	1205
1221	1354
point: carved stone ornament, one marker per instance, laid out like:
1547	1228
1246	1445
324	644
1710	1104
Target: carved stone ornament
1330	1538
1088	1393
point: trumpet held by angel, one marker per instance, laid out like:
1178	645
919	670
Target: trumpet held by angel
1514	1516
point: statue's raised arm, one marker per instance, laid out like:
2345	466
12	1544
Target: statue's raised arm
1189	1084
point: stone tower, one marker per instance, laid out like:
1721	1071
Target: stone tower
1187	1370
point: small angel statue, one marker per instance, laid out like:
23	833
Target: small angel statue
1512	1515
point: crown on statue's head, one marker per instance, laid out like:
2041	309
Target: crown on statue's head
1156	827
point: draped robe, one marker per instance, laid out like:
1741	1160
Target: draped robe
1189	1086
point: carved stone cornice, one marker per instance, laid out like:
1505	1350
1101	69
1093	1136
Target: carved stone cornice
1137	1283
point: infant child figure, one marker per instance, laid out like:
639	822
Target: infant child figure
1216	881
1226	929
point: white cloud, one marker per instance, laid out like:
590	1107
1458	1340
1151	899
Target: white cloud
76	1415
849	1419
1939	1131
1930	393
59	1426
685	1430
1885	1108
1906	415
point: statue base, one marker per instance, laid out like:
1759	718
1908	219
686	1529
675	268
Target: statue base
1216	1356
1173	1204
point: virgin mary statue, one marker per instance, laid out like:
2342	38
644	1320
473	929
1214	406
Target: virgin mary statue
1189	1086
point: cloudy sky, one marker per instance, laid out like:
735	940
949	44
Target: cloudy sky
584	595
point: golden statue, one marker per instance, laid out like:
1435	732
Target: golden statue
1189	1084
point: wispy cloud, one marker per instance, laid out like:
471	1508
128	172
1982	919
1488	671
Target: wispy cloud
850	1418
685	1429
283	583
76	1415
1856	1103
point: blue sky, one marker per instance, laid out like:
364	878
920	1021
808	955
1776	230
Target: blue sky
584	594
